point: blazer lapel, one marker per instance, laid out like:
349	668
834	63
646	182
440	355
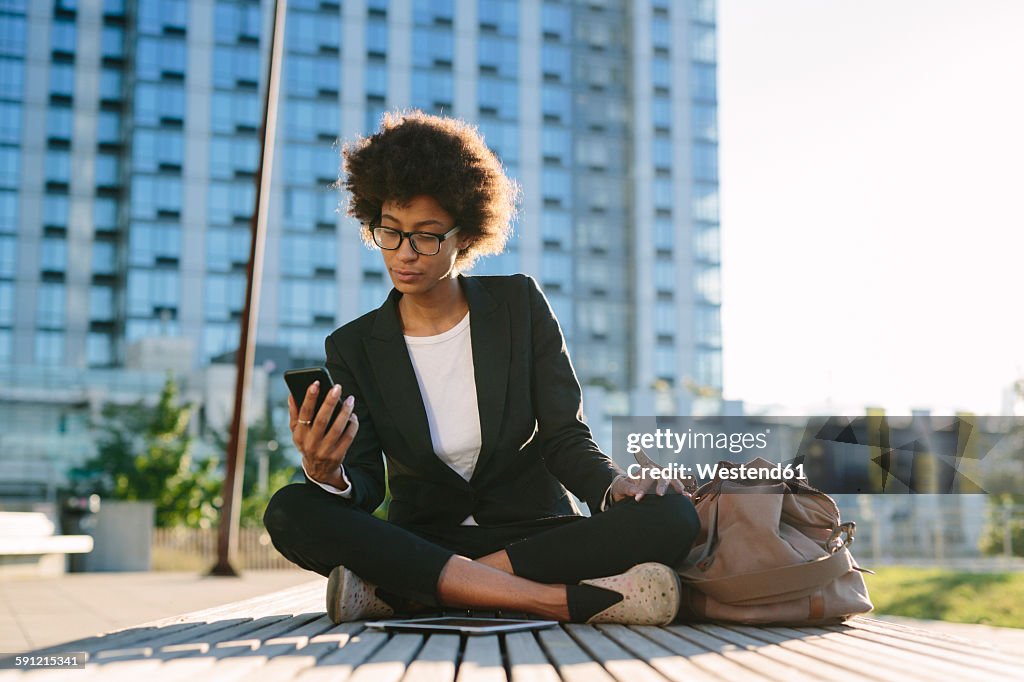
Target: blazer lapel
396	381
491	341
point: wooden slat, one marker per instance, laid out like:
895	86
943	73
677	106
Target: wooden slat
339	665
967	660
287	664
231	661
573	663
389	663
741	655
826	657
436	661
941	640
792	665
669	664
713	662
481	660
808	667
188	661
526	659
622	665
911	665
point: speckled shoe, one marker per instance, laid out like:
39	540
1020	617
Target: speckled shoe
349	598
650	596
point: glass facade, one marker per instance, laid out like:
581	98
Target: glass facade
176	153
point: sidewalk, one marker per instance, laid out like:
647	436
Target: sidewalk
39	612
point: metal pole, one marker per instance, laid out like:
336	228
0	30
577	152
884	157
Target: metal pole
227	532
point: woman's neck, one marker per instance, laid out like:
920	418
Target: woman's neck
433	312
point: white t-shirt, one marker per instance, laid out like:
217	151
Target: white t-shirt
443	364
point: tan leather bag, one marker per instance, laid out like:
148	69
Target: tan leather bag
770	552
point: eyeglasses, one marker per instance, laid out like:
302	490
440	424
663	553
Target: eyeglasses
423	243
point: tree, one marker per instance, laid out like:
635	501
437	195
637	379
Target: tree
262	439
144	452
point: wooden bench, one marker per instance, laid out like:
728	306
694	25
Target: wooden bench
286	635
28	545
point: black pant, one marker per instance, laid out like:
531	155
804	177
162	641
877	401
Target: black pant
318	531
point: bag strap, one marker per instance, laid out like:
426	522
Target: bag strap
744	588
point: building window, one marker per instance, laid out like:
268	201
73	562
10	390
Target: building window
154	244
235	110
158	103
156	16
13	30
12	78
230	202
156	196
556	21
50	305
705	161
110	85
53	254
377	39
101	303
150	291
431	12
705	87
498	56
58	166
312	76
556	103
112	42
705	203
103	258
62	80
49	347
705	121
104	214
99	350
156	57
10	123
55	211
108	168
8	256
6	304
10	163
709	284
499	98
703	43
499	16
232	157
433	90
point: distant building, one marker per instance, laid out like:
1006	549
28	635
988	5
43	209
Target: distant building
129	144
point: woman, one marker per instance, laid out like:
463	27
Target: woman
465	385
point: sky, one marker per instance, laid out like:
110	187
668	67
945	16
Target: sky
872	204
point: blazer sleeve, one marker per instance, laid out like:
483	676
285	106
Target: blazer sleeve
364	462
570	452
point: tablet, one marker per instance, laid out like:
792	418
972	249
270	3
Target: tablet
462	625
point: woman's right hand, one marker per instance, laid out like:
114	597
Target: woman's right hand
323	450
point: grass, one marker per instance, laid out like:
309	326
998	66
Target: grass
954	596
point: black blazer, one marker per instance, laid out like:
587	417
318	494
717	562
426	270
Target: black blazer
534	441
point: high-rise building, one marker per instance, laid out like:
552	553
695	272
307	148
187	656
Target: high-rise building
129	141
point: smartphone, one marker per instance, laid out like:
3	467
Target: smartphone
299	381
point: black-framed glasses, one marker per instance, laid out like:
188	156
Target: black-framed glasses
423	243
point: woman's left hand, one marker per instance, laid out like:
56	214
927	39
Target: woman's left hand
624	487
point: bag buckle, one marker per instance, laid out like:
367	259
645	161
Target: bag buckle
842	536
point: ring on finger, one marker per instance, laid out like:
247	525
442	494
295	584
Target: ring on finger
307	422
